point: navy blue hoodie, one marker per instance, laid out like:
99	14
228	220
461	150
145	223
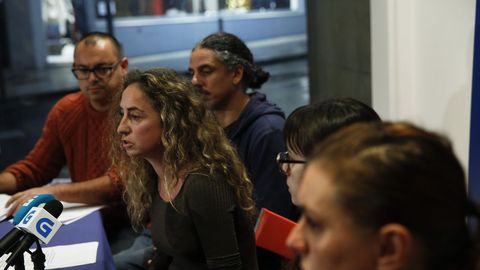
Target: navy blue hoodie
258	137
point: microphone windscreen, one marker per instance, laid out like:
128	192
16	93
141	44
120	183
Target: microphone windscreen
33	202
54	207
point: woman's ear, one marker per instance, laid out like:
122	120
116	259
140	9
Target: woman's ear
396	247
238	74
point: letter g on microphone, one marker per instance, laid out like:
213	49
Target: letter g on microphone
44	226
28	217
41	224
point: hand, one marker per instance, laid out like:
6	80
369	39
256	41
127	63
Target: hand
152	263
19	198
8	183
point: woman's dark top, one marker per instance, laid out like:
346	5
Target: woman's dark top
203	229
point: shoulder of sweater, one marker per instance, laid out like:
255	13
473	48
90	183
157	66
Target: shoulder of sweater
261	116
270	120
71	104
71	99
264	125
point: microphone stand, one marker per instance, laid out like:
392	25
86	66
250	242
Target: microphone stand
19	263
38	258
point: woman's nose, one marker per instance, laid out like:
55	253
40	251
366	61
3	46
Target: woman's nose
296	241
122	126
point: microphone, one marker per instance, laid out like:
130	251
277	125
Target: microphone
40	224
15	234
33	202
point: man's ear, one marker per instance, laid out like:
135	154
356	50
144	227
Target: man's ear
396	246
238	74
124	65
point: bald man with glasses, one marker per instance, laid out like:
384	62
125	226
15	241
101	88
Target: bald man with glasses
74	135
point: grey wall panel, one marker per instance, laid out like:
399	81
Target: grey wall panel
261	26
141	39
339	49
26	35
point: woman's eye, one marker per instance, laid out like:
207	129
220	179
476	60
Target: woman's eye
134	117
312	224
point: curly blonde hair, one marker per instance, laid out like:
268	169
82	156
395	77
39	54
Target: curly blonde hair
191	138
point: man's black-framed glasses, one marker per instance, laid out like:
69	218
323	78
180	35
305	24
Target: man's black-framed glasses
100	71
284	161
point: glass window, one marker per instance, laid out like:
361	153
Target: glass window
133	8
59	20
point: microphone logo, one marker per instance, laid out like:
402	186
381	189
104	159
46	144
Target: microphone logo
41	224
44	226
28	217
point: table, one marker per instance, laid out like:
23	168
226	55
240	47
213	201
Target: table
86	229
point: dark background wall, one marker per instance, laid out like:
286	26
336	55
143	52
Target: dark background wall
339	49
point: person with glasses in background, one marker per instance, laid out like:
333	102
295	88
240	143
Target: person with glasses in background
74	135
307	126
310	124
385	196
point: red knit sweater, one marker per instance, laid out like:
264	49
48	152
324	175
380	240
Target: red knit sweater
74	134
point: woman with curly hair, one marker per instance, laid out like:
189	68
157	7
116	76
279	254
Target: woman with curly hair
182	175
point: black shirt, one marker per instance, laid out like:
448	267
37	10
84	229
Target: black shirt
203	228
